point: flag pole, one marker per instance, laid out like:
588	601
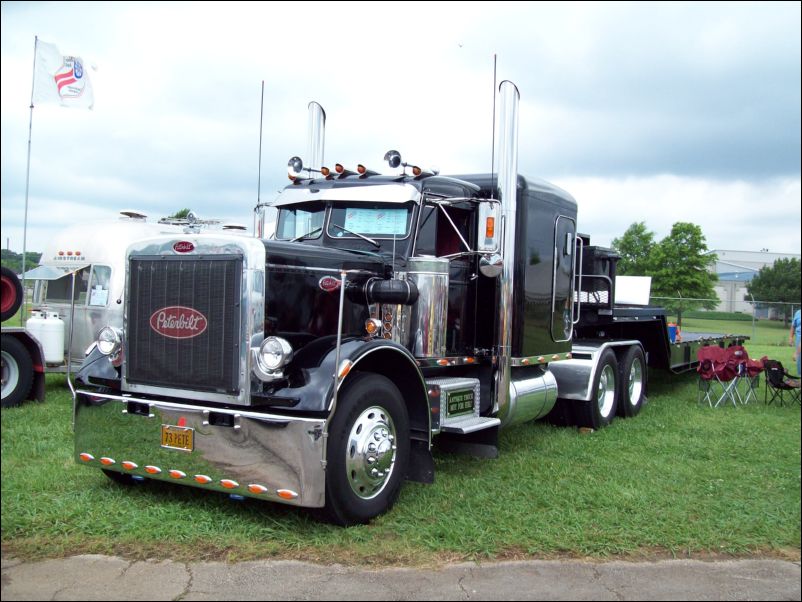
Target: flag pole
27	183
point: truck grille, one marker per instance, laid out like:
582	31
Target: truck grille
184	322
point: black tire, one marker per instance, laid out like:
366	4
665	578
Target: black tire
17	371
364	482
10	294
600	410
633	382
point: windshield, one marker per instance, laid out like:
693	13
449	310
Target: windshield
376	221
300	221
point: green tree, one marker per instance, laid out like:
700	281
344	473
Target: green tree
681	268
635	248
13	261
181	213
779	282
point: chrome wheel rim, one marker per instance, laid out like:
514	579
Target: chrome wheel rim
10	374
605	395
371	452
635	384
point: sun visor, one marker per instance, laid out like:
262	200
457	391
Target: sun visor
46	272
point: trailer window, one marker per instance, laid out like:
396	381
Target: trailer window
58	291
99	285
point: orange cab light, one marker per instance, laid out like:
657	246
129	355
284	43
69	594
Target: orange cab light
442	362
86	457
490	227
361	169
469	360
371	326
339	168
325	171
345	368
152	469
287	494
229	484
177	474
128	465
202	479
107	461
254	488
416	171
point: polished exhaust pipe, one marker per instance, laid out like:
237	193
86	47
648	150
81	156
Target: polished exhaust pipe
508	191
317	136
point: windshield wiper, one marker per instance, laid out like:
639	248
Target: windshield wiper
370	240
310	233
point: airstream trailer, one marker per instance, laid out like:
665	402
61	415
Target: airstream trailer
81	279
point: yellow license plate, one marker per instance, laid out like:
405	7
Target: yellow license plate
177	437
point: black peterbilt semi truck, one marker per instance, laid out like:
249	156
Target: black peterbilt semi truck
386	314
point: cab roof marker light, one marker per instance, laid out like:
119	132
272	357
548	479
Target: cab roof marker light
229	484
202	479
361	169
86	457
128	465
152	469
286	494
339	168
255	488
325	171
106	461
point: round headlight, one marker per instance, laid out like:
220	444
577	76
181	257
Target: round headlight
109	341
275	352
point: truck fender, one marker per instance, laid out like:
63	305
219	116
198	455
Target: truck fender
396	363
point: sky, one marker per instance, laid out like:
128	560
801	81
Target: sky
645	112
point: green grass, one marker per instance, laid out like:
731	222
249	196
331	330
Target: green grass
678	480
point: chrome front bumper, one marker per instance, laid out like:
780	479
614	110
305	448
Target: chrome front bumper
263	456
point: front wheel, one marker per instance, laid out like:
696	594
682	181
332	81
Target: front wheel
600	410
367	450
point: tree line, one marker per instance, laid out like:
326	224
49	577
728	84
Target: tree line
681	269
13	261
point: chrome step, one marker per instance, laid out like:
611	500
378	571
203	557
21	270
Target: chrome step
471	424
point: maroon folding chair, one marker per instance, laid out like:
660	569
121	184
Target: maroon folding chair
718	374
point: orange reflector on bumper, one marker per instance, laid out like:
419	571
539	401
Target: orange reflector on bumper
229	484
107	461
177	474
128	465
86	457
254	488
202	479
287	494
152	469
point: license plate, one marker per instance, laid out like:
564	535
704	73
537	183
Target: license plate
177	437
460	402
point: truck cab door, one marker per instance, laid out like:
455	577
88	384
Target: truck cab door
562	299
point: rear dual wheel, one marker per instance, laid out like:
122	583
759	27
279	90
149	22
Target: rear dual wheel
601	409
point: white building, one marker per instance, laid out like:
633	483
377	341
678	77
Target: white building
735	269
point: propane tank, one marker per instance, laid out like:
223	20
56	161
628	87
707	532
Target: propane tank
48	329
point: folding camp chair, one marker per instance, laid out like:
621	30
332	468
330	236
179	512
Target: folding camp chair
779	383
718	376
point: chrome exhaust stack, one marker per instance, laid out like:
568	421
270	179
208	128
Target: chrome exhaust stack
508	190
316	136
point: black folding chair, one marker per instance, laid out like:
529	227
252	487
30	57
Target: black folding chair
779	383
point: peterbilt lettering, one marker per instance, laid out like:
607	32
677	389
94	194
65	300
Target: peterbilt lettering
332	356
178	322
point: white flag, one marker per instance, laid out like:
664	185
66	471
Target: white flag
61	79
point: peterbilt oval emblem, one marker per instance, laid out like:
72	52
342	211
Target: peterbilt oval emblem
178	322
183	246
328	284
